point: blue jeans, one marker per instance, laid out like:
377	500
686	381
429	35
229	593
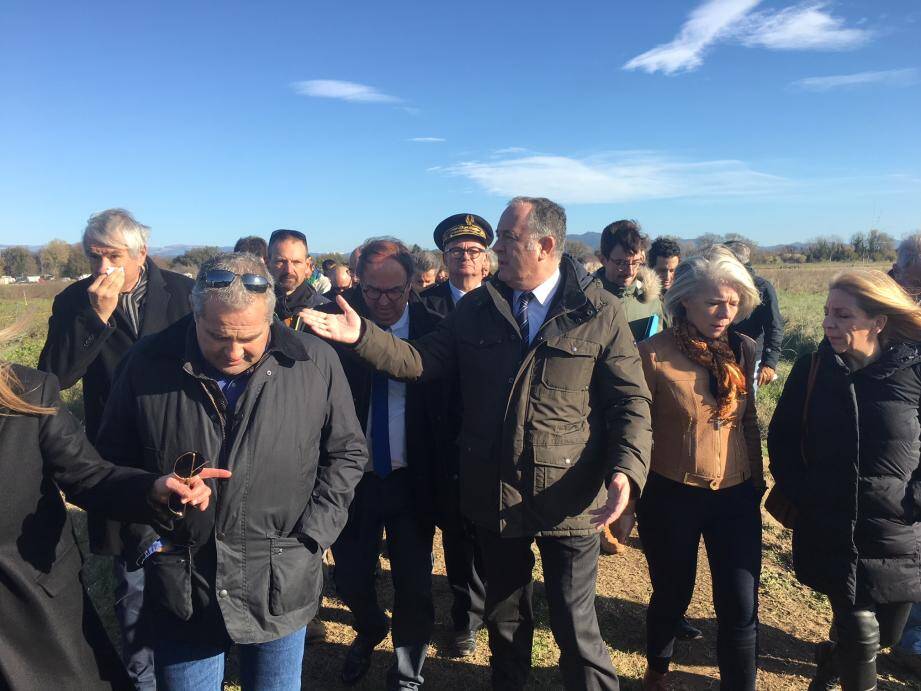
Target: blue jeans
911	637
129	597
271	666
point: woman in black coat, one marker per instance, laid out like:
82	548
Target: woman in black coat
844	449
51	637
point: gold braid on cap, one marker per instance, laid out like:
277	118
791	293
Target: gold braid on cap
468	227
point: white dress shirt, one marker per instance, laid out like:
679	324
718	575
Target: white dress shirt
396	406
540	303
456	293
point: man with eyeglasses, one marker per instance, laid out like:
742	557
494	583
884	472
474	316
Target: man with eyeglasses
93	324
555	432
291	266
463	239
396	492
231	387
624	273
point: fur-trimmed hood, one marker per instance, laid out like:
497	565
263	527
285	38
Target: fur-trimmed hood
648	285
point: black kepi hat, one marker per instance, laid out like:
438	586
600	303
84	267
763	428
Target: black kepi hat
463	226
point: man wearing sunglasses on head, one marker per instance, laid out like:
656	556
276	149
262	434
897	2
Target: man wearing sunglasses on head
397	491
93	324
463	239
233	387
291	266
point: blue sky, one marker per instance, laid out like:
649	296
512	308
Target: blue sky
781	120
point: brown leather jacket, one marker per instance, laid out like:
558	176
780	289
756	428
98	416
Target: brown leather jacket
688	445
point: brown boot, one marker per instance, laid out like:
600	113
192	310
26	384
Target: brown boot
654	681
610	544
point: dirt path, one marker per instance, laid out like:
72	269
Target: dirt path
792	619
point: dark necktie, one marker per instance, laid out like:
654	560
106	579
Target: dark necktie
380	425
521	316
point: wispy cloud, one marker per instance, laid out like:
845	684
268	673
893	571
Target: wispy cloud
806	26
427	140
613	178
803	27
344	91
905	77
702	28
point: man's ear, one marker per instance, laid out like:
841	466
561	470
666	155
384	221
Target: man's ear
547	245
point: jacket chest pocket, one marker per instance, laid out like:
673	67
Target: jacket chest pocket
568	363
294	575
168	581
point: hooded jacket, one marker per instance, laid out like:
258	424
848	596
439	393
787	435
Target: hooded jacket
304	296
853	474
641	300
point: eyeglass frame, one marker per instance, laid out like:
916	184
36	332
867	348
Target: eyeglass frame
196	468
460	252
625	264
393	294
252	282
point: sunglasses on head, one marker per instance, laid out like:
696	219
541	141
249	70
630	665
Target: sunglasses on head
221	278
284	234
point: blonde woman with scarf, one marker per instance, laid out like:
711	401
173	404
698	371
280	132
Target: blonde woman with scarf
706	477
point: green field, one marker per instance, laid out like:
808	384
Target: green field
792	616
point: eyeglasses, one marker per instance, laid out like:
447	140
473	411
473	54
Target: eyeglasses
459	252
284	234
624	264
186	466
392	294
221	278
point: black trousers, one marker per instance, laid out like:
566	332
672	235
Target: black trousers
570	565
859	632
671	518
464	564
378	504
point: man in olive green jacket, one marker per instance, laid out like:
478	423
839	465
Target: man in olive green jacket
625	274
565	412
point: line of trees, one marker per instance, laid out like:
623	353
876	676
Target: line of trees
57	259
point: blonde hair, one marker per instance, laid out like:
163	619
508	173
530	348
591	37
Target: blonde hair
11	400
879	295
719	266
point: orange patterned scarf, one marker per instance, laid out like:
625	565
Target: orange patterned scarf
716	357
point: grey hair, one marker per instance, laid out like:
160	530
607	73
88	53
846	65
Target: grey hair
909	251
235	296
546	218
425	261
116	228
740	249
493	260
720	266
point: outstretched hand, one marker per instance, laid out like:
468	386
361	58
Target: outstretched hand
341	328
618	498
191	492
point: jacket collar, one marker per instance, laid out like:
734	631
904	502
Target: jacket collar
287	305
895	356
571	298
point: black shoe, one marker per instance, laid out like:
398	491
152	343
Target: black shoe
316	631
686	632
826	677
358	658
464	644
